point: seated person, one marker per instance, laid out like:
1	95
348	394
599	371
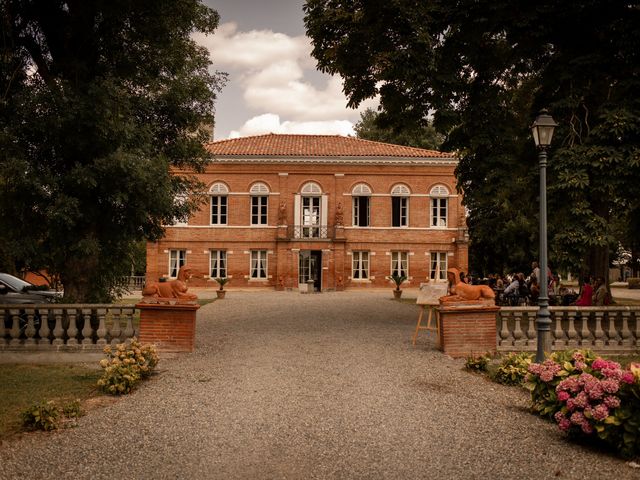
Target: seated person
601	296
586	294
534	289
514	287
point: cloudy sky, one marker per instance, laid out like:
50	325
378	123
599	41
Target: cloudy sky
273	85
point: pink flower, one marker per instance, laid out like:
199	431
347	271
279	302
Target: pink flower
627	377
577	418
559	416
600	412
578	357
610	385
563	396
580	365
587	428
569	384
535	368
581	400
571	404
611	401
546	375
564	424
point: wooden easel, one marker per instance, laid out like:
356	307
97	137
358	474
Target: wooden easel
428	297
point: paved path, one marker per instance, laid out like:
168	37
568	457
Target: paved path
328	386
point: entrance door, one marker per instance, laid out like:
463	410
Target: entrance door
311	217
310	268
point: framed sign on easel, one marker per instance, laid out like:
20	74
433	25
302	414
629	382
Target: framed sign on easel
428	297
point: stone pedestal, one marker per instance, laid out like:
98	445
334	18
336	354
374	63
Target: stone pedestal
171	327
467	329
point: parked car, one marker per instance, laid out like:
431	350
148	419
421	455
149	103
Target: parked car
16	290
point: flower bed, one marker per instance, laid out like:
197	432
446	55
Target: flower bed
589	396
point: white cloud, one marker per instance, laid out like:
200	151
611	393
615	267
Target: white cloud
270	68
270	123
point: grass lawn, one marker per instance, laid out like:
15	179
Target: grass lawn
23	385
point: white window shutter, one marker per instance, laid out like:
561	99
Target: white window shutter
297	219
324	206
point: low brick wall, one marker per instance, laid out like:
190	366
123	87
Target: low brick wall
467	330
171	327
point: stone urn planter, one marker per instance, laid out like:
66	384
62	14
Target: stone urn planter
397	279
221	292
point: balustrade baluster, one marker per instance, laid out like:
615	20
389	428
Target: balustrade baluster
72	331
518	342
58	330
532	335
30	330
115	330
598	333
87	331
613	339
572	334
15	327
625	333
6	330
636	330
585	334
128	331
504	328
44	328
102	330
558	342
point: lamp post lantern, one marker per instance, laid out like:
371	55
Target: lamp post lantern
542	130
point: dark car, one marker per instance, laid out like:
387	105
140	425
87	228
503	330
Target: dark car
16	290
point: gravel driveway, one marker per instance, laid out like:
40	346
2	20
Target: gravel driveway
284	385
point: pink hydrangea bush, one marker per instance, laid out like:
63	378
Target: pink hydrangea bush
588	395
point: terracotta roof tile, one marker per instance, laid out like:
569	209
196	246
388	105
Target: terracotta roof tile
278	145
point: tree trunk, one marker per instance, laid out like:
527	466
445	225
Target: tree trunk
598	261
77	279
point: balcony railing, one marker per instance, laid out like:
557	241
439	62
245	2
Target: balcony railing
310	232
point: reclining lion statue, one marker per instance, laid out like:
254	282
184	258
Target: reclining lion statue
463	292
174	289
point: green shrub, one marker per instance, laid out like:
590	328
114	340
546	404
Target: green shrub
477	363
72	409
41	416
513	368
633	282
125	366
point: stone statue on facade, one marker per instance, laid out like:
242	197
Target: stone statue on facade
339	215
282	213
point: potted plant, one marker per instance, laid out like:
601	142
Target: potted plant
397	279
221	292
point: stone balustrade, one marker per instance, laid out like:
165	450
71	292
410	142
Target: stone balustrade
612	329
67	328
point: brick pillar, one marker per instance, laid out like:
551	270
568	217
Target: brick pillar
339	273
467	330
171	327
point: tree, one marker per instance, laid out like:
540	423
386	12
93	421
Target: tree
102	107
483	69
371	127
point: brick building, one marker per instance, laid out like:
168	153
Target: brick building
339	211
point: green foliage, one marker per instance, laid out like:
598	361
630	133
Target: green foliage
482	70
513	368
222	282
369	128
90	133
72	409
398	280
477	363
41	416
125	366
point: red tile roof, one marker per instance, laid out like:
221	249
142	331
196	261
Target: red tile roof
277	145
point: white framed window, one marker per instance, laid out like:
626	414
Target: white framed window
259	203
219	205
258	264
438	265
361	194
439	206
218	264
400	206
400	264
360	266
177	260
311	188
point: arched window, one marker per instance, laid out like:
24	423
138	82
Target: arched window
311	188
259	203
400	205
439	206
219	205
361	194
259	189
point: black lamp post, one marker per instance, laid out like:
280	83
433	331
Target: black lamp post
542	130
